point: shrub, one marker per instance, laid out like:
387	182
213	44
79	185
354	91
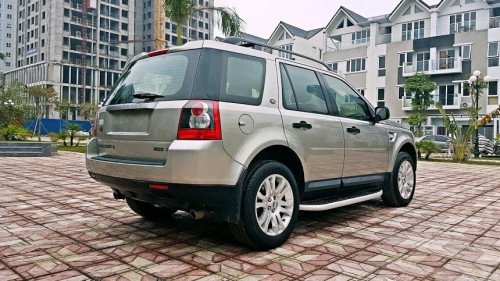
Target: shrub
12	132
63	135
427	147
54	137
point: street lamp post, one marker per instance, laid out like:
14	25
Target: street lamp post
9	104
476	84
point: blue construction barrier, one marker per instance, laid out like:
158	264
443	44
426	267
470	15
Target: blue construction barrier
56	125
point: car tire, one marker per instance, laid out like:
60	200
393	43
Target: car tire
399	191
270	206
149	210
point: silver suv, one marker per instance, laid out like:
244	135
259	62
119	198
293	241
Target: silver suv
242	136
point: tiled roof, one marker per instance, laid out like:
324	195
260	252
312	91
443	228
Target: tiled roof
295	31
358	18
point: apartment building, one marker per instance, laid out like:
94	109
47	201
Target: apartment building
291	38
8	17
448	41
199	27
55	37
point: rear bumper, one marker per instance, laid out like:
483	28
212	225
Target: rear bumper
220	202
187	162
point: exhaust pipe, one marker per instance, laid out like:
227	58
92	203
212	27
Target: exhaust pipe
197	214
118	195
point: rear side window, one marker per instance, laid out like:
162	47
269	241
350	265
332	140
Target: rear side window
170	75
230	77
304	85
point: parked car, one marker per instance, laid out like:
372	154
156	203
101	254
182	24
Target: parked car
245	137
443	142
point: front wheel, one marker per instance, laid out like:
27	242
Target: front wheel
270	206
399	192
149	210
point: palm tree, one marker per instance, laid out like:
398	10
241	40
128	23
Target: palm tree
495	113
179	11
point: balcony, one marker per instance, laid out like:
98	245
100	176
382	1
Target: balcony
448	101
495	22
403	36
433	67
340	46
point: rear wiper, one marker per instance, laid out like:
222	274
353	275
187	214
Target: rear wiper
147	96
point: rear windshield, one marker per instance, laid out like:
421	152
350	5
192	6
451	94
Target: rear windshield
170	75
206	74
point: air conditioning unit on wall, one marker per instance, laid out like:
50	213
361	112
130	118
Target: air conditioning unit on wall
466	105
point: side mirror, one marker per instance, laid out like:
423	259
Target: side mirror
382	113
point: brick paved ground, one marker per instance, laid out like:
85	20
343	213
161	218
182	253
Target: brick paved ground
58	224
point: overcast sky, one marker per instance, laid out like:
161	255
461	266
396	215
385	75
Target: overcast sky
262	16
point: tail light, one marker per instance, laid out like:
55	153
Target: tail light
200	120
96	123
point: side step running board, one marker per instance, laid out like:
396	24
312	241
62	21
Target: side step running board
341	203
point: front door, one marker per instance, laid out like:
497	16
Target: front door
310	128
366	143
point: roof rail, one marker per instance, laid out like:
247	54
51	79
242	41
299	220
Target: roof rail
249	43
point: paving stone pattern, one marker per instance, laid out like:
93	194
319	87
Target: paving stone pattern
56	223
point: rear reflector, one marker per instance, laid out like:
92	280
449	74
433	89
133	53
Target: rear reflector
158	186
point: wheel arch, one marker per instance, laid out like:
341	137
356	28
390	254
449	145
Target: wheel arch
287	157
410	149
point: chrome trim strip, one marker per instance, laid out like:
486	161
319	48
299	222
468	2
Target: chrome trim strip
340	203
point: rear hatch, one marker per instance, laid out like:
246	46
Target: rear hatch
140	120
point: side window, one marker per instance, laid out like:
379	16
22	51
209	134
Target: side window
288	97
304	85
348	102
244	79
441	139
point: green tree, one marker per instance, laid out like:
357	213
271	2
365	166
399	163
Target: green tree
2	56
63	106
87	111
459	139
40	97
420	86
13	114
180	11
427	147
72	129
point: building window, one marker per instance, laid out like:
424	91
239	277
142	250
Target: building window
9	35
465	52
381	66
284	36
406	59
360	37
285	55
401	92
361	91
380	97
334	66
407	12
341	25
356	65
413	30
493	88
493	54
9	16
462	22
423	61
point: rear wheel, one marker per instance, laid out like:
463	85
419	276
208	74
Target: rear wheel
399	192
149	210
270	206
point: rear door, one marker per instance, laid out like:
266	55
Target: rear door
310	128
140	130
366	142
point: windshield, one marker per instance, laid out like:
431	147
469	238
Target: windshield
170	75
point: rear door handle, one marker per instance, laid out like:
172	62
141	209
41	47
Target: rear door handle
353	130
302	125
